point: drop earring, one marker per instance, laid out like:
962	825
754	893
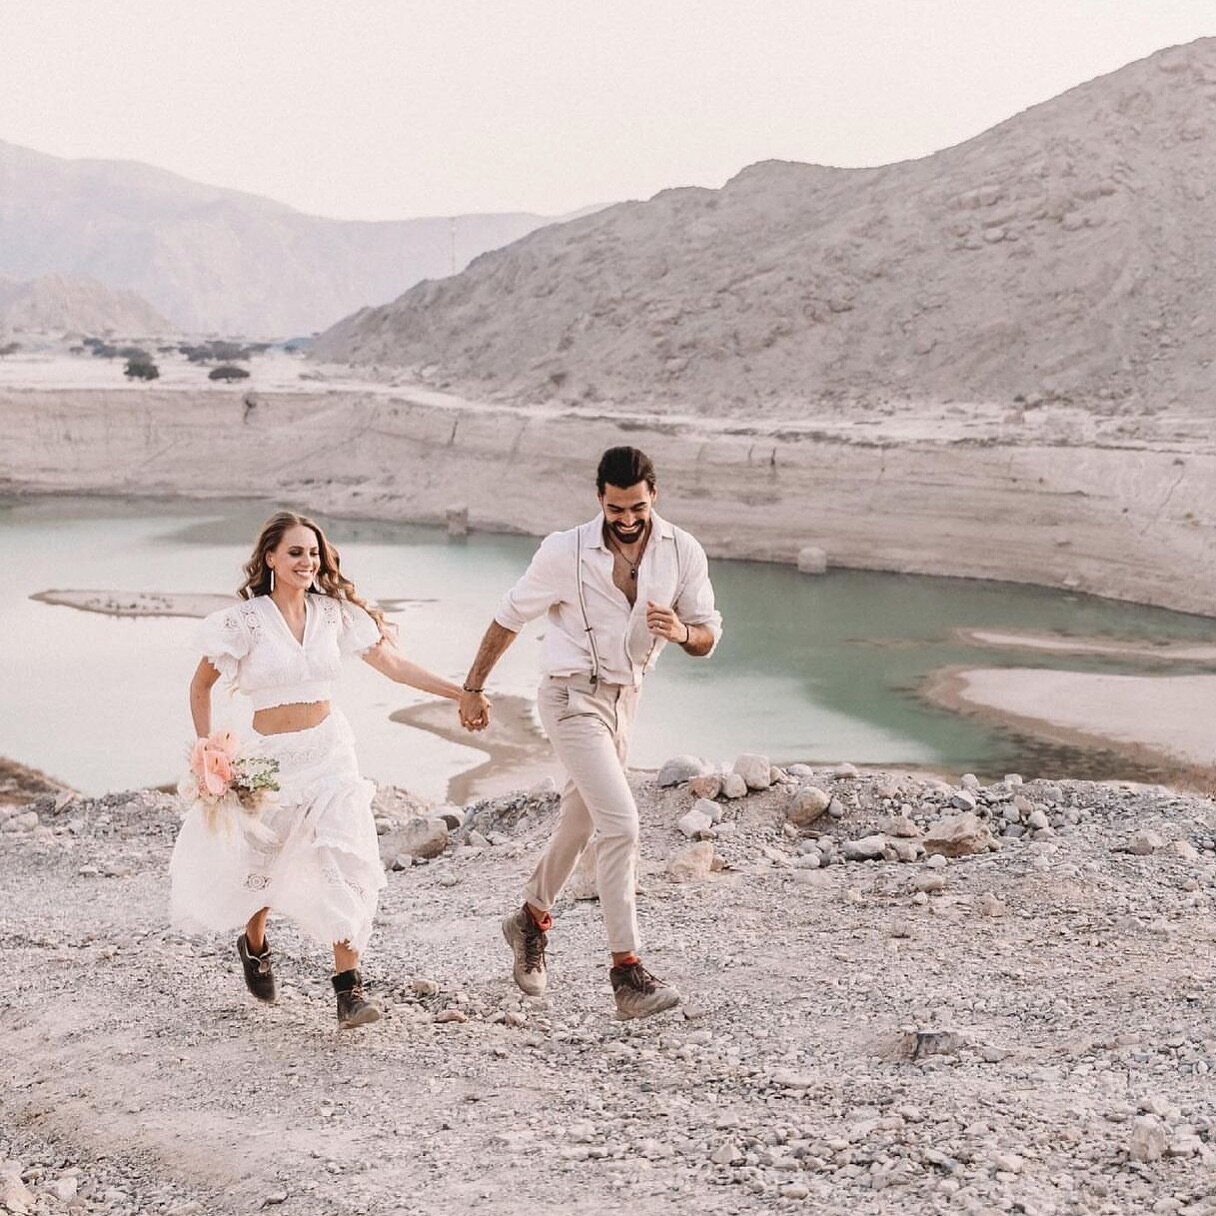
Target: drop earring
272	578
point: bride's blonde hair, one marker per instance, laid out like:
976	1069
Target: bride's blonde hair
329	581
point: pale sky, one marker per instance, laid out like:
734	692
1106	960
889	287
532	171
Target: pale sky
390	109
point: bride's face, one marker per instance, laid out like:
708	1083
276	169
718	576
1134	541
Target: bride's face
296	559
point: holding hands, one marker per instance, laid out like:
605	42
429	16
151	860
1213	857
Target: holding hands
474	709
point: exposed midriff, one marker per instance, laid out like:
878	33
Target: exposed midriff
281	719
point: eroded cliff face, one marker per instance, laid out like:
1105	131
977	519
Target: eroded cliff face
1131	522
1066	252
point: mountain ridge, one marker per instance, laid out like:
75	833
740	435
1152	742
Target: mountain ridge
1063	253
76	303
215	259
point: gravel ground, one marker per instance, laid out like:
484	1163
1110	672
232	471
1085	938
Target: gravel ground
1025	1028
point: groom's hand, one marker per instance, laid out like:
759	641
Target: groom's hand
663	623
474	710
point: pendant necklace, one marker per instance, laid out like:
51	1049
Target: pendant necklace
633	565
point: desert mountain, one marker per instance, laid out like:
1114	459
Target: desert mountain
60	303
213	259
1070	250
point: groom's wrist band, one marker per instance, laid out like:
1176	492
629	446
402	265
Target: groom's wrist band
468	689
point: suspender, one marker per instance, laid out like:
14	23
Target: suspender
582	603
582	600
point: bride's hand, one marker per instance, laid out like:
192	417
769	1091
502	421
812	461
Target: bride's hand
474	710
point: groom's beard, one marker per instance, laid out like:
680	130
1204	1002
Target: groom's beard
627	536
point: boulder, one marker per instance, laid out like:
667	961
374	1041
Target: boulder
959	836
419	838
903	850
453	816
812	560
584	882
1147	1141
708	786
695	823
691	863
899	825
755	770
733	786
807	805
680	769
868	848
15	1196
1145	842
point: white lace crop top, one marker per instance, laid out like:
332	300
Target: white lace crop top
252	646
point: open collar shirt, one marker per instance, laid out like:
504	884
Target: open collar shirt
673	571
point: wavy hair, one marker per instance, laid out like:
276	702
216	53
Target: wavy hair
330	580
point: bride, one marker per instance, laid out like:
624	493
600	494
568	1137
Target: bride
312	855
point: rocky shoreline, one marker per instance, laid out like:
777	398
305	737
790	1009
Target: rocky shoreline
903	995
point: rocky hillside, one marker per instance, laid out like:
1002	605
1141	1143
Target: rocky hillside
902	997
213	259
1067	252
58	303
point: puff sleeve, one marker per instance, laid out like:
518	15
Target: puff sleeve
357	631
224	641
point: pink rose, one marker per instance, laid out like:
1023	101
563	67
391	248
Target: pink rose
211	762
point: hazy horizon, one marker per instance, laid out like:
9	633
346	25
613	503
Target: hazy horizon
415	109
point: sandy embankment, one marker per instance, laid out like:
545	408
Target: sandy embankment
137	603
1052	643
1165	720
1066	501
516	752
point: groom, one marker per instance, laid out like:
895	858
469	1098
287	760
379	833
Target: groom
616	590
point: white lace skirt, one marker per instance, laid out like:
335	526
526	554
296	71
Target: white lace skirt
322	869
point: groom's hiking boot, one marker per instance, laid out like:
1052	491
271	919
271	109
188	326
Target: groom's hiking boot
259	977
354	1009
527	941
638	993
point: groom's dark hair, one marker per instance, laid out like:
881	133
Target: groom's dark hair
624	467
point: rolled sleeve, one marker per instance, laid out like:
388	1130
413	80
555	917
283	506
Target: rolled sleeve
695	605
538	589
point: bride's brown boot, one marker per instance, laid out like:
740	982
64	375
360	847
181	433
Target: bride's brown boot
354	1009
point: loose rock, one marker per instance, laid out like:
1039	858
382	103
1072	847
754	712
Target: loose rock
807	805
679	769
692	863
755	770
958	837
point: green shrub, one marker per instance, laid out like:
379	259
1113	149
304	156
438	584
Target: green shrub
141	369
227	372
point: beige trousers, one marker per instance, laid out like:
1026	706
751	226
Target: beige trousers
589	728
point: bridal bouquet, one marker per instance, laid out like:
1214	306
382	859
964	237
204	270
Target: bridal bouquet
229	788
